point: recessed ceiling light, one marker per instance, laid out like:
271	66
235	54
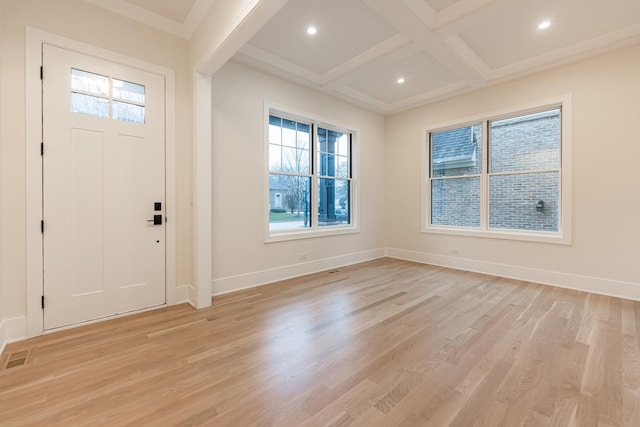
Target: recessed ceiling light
544	25
400	80
311	30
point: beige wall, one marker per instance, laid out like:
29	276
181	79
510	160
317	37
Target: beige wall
606	151
239	94
81	21
2	338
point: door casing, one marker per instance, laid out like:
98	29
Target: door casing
34	253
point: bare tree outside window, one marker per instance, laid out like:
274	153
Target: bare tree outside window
309	166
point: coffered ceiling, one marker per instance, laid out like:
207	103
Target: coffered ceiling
439	47
177	17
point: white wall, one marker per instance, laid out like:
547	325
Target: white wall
81	21
240	255
606	202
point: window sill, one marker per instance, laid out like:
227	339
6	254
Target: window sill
537	237
310	234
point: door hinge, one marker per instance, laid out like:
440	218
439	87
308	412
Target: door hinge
42	302
42	148
42	226
41	73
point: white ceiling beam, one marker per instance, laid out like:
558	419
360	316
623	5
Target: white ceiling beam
469	57
362	99
212	44
378	51
405	20
140	14
458	10
198	11
619	38
430	96
276	64
465	14
423	11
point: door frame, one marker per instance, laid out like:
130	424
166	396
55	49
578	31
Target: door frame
34	242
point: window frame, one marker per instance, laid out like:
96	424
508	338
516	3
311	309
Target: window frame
110	97
315	122
564	234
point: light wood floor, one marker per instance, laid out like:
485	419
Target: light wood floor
385	343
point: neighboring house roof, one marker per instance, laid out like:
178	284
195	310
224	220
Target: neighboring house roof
276	186
454	147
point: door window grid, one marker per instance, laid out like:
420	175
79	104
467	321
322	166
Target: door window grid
102	96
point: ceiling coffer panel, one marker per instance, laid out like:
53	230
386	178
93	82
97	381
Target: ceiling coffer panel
440	47
512	36
346	28
421	74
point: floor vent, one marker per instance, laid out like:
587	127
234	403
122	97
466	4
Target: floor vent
14	360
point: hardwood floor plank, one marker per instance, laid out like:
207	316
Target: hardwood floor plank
383	343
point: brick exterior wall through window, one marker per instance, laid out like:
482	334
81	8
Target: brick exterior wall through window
524	170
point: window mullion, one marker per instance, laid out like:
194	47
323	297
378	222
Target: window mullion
484	178
313	218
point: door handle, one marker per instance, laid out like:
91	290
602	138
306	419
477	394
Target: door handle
157	220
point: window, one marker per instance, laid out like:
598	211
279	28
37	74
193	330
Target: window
518	187
102	96
456	165
310	177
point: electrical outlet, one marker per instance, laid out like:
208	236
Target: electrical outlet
454	251
303	256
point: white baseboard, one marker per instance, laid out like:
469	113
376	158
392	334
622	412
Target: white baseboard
596	285
225	285
12	330
185	293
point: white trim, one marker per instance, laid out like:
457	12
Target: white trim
564	234
249	20
145	16
34	40
12	330
325	231
606	42
354	206
370	55
229	284
596	285
203	197
274	62
183	293
106	318
468	56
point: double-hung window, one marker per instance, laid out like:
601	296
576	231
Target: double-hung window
310	177
504	176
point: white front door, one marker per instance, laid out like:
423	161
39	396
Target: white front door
103	184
